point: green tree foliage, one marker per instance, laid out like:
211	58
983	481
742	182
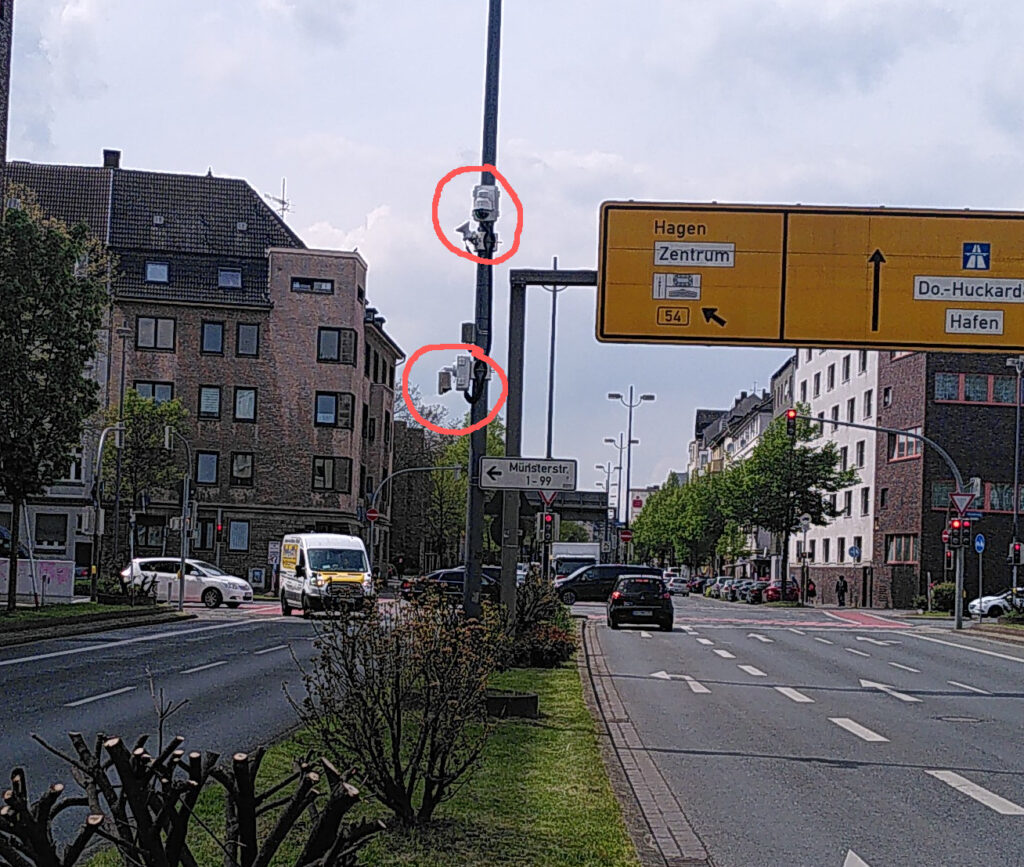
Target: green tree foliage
53	283
732	544
571	531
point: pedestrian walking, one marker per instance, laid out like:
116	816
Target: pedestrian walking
812	591
841	589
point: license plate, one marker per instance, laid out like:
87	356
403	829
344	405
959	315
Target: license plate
645	612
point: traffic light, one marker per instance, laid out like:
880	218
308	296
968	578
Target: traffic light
1016	556
965	533
791	423
955	533
220	532
547	527
949	559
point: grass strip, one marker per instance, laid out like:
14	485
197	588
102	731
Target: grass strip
49	613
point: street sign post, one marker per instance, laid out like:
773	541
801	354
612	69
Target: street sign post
781	275
626	535
979	543
528	474
979	546
854	552
372	515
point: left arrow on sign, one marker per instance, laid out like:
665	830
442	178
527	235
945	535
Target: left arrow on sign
493	473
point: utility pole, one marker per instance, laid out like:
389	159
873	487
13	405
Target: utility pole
484	291
1018	365
630	405
124	332
554	290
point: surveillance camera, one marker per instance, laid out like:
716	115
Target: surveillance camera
485	203
444	381
465	231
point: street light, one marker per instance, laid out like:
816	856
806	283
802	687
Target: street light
124	332
630	405
620	444
1018	365
554	290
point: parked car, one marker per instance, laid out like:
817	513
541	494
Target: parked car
668	574
773	592
756	592
450	583
991	606
595	583
739	589
714	587
640	598
696	584
679	586
727	591
204	582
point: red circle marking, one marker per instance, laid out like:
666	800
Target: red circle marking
372	514
626	535
465	254
476	352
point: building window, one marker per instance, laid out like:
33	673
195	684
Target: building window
326	409
313	284
205	534
373	430
826	550
851	408
902	447
245	403
391	376
74	466
868	408
803	391
812	544
376	367
847	503
817	384
859	452
209	401
156	272
360	294
940	494
337	345
841	549
206	468
229	278
241	469
865	500
159	392
821	427
947	386
387	428
846	368
51	531
1003	388
843	454
832	505
975	388
213	338
149	535
887	396
366	420
332	474
808	355
835	415
238	535
152	332
366	360
831	377
901	548
858	543
883	498
862	361
248	340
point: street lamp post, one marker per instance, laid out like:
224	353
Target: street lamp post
1018	365
97	520
554	290
186	518
124	332
630	405
607	470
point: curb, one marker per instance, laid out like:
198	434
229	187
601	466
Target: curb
66	629
1001	633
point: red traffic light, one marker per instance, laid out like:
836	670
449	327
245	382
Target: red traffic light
1016	546
966	524
955	523
548	518
791	413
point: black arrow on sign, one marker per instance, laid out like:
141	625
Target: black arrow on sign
876	259
711	315
492	473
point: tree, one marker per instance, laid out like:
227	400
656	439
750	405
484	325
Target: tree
572	531
784	479
54	297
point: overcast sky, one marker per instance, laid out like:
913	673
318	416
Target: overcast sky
365	105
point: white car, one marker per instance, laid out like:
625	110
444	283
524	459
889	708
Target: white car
678	586
204	582
991	606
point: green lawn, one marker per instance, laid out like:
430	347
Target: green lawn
541	796
49	612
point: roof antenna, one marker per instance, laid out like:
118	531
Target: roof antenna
283	205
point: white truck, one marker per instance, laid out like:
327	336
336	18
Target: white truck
567	557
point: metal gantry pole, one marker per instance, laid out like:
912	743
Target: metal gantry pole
554	290
1018	365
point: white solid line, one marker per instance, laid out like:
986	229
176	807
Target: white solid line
794	694
871	640
204	667
705	641
159	636
854	860
982	796
854	650
694	685
797	631
905	667
645	634
753	672
822	640
762	638
724	654
971	688
270	649
98	697
954	644
857	729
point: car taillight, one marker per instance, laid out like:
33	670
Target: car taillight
616	594
666	595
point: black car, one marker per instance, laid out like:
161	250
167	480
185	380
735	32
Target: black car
640	599
756	592
450	582
595	583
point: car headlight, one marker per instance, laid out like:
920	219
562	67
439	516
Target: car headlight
318	581
367	585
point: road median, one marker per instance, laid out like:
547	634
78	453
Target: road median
62	621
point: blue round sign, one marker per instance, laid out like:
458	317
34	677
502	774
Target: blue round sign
854	552
979	543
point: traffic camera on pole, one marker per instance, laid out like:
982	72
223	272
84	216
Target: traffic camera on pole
791	423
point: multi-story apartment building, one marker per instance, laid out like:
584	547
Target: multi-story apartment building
841	385
782	387
287	376
699	455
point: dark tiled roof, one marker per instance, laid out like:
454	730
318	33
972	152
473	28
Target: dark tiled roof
704	418
73	194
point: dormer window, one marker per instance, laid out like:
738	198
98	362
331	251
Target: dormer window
241	225
229	278
156	272
158	220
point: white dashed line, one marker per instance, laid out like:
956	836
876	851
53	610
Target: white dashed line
857	729
962	647
762	638
854	650
905	667
98	697
794	694
971	688
796	631
823	640
204	667
705	641
270	649
753	672
982	796
645	634
694	685
724	654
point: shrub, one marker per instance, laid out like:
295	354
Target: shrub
944	596
921	602
545	645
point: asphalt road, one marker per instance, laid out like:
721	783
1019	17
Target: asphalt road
810	739
230	665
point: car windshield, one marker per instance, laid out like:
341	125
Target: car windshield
639	585
209	568
337	560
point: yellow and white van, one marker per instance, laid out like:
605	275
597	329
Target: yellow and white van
324	572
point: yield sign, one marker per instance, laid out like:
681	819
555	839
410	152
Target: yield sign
548	496
961	500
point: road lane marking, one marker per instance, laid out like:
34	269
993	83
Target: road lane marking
204	667
705	641
796	631
905	667
981	795
888	690
874	641
270	649
857	729
645	634
723	653
93	698
687	629
752	671
961	646
762	638
794	694
823	640
854	860
971	688
854	650
694	685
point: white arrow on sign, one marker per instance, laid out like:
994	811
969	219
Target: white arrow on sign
888	690
854	860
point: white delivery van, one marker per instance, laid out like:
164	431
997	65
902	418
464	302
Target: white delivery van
324	572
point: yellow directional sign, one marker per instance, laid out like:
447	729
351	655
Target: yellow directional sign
778	275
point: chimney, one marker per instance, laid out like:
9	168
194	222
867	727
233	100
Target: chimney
743	395
111	159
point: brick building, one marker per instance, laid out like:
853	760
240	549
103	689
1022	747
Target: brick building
287	376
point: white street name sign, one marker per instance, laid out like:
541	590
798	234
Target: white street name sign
528	474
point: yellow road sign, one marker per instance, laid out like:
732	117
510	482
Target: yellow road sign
791	276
